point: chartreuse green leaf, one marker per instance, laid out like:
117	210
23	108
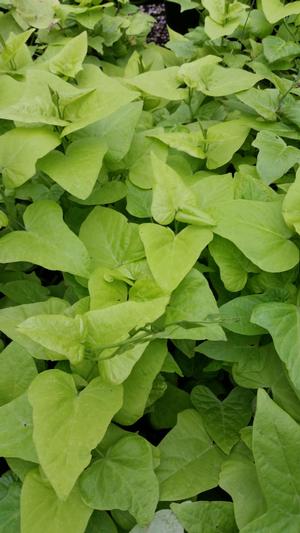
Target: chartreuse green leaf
164	521
74	423
193	301
224	139
212	189
276	438
223	419
189	141
105	192
16	430
164	248
276	49
290	205
260	366
236	314
76	171
264	101
117	368
105	291
211	79
105	96
223	18
3	220
239	479
13	45
123	479
275	10
57	333
17	370
139	159
68	61
189	461
11	317
42	510
262	236
48	241
159	83
10	491
110	239
202	517
282	320
172	196
117	130
138	385
234	266
109	326
186	4
18	166
275	158
275	521
31	101
190	73
35	13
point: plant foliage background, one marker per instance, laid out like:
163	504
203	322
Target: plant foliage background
149	250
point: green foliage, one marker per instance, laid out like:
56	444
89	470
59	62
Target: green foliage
149	269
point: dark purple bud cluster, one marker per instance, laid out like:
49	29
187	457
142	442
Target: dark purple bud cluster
159	32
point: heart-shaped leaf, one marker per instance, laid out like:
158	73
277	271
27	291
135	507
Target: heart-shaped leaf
207	516
110	239
224	139
223	420
238	478
18	166
282	320
275	158
68	61
233	265
41	510
68	425
159	83
263	236
188	466
211	79
189	141
172	196
171	257
275	10
17	370
113	324
118	130
76	171
47	242
138	384
276	438
124	479
12	317
191	303
62	334
224	18
106	96
16	430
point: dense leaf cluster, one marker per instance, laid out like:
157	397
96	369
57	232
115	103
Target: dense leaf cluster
149	252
